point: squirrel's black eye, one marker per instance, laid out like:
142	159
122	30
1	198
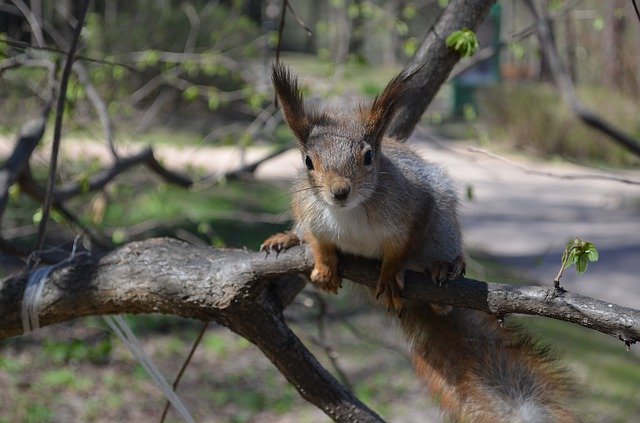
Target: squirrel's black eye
308	162
368	158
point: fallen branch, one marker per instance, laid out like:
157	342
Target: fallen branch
564	83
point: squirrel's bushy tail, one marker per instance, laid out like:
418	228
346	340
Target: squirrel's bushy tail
482	372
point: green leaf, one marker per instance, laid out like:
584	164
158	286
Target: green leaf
410	46
191	93
37	216
592	252
464	42
598	23
409	12
117	71
14	192
149	59
579	253
581	264
213	101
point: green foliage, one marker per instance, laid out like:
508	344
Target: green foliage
535	118
78	350
38	413
464	42
579	253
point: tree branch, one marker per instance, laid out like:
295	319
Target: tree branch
236	288
57	131
434	61
102	178
169	276
30	135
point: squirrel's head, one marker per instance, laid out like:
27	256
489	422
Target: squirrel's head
340	148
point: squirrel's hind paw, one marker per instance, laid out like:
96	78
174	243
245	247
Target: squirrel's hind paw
280	242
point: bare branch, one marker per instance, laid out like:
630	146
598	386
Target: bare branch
568	176
98	105
30	135
567	90
26	46
101	179
168	276
62	95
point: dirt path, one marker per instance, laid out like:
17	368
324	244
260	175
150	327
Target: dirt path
522	220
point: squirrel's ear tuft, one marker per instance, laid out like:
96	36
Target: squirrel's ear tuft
384	106
290	97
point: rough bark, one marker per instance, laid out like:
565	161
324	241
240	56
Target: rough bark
434	61
172	277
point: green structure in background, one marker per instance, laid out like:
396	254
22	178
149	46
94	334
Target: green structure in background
487	72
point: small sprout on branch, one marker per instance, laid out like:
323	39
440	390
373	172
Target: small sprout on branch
578	253
464	42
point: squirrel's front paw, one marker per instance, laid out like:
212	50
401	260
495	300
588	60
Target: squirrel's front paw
392	289
443	271
280	242
326	278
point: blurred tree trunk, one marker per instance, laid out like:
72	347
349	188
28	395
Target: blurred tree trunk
612	45
342	33
357	28
545	69
570	43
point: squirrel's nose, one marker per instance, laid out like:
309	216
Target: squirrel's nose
341	193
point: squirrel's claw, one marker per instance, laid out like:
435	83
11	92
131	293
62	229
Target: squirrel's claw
392	289
443	271
279	242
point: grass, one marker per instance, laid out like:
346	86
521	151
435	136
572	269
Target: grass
80	372
533	117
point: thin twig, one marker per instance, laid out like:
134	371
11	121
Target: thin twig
568	176
22	45
62	95
299	19
283	14
203	330
98	104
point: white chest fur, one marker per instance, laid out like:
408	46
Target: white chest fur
351	231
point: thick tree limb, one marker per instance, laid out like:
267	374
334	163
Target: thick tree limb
434	61
168	276
237	288
563	80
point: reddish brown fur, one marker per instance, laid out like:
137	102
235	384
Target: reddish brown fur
464	357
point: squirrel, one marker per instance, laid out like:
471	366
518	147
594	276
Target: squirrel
365	194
